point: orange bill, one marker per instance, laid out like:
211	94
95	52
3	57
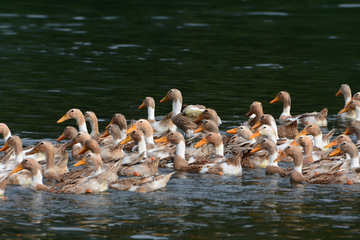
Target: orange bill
72	143
142	106
161	140
199	118
256	134
79	163
64	118
333	143
62	137
249	114
281	156
256	125
256	149
17	169
232	131
335	152
126	140
303	132
133	127
338	93
166	98
347	132
294	143
345	109
111	122
106	133
5	147
83	150
200	143
200	129
275	100
33	151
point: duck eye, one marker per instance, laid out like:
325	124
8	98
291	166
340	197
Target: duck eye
241	128
140	121
210	134
41	143
310	125
72	110
280	93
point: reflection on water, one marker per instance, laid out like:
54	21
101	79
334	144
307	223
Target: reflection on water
107	57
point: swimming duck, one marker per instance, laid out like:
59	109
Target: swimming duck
354	127
145	127
208	126
113	151
346	91
159	126
209	114
255	113
268	132
5	131
349	148
353	105
70	133
305	118
288	130
143	185
223	166
92	119
309	155
320	140
178	117
78	116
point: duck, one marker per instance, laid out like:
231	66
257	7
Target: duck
354	127
268	132
52	170
346	92
209	114
142	185
320	140
352	105
158	126
305	118
349	148
5	131
208	126
145	127
70	132
310	156
93	120
113	151
78	116
223	166
179	117
255	113
287	130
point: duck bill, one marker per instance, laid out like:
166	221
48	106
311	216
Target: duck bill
62	137
106	133
17	169
256	125
294	143
249	114
338	93
79	163
133	127
345	109
83	150
5	147
256	134
349	101
111	122
281	156
126	140
199	118
64	118
202	142
166	98
200	129
347	132
33	151
333	143
232	131
275	100
142	106
161	140
303	132
256	149
335	152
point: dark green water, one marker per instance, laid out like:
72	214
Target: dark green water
106	56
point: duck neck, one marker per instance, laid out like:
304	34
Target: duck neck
37	177
18	152
298	162
151	113
122	134
318	141
142	146
219	150
308	149
50	158
272	158
6	137
176	106
354	162
82	124
274	127
97	168
180	149
94	127
357	111
286	111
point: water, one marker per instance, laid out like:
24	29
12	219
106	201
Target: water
107	56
